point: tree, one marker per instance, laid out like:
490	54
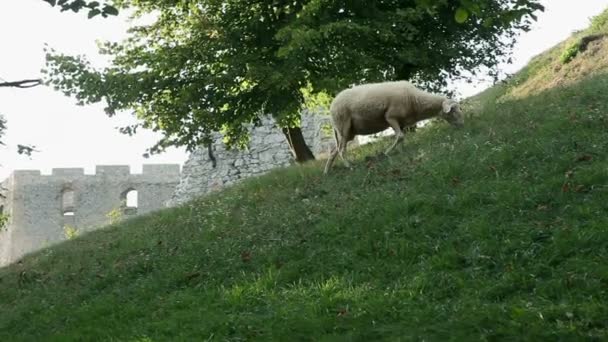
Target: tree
208	65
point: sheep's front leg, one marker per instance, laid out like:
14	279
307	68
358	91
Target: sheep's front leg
398	133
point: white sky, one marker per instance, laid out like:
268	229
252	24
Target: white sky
68	135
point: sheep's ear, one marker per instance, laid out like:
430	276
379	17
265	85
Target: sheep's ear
448	105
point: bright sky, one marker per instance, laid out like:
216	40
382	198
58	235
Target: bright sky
68	135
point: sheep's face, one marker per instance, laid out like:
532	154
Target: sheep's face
451	113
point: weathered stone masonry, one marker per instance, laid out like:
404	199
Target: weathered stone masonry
40	206
268	149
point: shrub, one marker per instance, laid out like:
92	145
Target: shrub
571	52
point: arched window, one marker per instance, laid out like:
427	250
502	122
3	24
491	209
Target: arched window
132	199
129	201
67	202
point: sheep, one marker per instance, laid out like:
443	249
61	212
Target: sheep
372	108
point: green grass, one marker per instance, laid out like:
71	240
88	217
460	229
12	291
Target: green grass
498	231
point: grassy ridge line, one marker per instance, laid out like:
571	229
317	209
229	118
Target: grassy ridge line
564	64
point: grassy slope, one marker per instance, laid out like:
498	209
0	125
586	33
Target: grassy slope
495	231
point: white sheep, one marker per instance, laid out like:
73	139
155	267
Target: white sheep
372	108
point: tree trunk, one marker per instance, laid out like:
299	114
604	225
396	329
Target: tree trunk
297	145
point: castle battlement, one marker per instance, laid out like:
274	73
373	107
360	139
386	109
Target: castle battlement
69	172
25	173
113	170
118	172
40	206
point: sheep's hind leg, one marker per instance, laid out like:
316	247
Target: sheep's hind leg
330	160
398	134
342	150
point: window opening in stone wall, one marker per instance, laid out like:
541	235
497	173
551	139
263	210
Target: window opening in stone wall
130	201
67	200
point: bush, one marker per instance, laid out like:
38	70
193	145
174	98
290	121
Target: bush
571	52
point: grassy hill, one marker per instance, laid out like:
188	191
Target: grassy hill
497	231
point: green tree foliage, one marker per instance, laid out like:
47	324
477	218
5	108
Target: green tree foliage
94	7
209	65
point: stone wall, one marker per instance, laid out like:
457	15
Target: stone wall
5	208
268	149
41	206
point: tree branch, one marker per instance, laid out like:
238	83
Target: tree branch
22	83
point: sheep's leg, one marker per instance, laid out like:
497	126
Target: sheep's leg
398	134
333	154
330	160
342	149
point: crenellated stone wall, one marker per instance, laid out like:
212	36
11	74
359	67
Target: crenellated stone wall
39	207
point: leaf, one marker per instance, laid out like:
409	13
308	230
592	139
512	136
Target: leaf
246	256
26	150
192	275
110	10
584	157
51	2
93	13
461	15
342	312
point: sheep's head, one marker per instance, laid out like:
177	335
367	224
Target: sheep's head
450	112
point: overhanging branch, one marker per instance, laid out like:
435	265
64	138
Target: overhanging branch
22	84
